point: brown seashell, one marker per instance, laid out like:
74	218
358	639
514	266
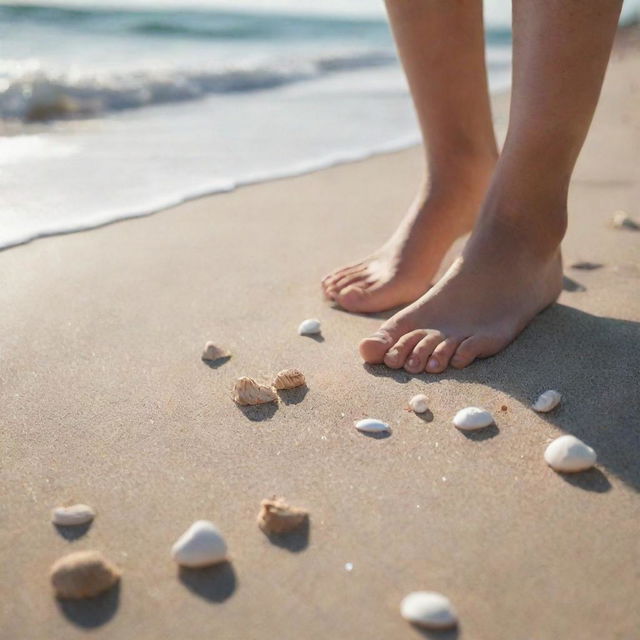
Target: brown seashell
83	574
289	379
276	516
248	391
212	352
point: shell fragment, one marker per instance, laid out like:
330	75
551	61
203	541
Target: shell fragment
309	327
419	403
276	516
212	352
428	609
547	401
83	574
568	454
622	220
472	418
200	545
246	391
289	379
73	515
371	425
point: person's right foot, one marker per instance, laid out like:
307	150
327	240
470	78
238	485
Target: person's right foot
403	268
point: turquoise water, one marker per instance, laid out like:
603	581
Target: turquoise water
115	112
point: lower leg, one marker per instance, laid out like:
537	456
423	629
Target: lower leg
441	45
511	268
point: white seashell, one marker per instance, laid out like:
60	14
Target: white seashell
370	425
289	379
212	352
200	545
276	516
248	391
309	327
83	574
472	418
74	515
547	401
569	454
428	609
419	403
622	220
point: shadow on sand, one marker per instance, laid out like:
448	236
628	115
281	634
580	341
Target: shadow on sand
215	584
90	613
595	363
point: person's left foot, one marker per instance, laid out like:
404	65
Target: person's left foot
503	279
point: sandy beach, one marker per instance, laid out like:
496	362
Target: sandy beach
105	400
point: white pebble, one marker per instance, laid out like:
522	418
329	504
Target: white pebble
547	401
370	425
309	327
76	514
200	545
428	609
622	220
419	403
569	454
472	418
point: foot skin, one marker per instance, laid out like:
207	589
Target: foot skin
487	297
403	269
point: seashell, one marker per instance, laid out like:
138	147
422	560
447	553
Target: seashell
200	545
569	454
74	515
276	516
212	352
419	403
472	418
309	327
428	609
289	379
371	425
547	401
622	220
83	574
248	391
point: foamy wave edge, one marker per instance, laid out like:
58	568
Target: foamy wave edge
29	93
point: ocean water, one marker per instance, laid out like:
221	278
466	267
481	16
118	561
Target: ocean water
114	111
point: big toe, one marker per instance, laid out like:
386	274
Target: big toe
374	348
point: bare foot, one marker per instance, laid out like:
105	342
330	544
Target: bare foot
403	268
503	279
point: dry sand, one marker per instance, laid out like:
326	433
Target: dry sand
105	400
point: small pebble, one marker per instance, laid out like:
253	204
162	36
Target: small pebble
547	401
472	418
309	327
73	515
622	220
428	609
276	516
83	574
348	566
419	403
568	454
200	545
370	425
289	379
212	352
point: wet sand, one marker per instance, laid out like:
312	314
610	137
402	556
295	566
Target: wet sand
105	400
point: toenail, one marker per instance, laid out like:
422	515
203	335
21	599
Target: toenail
412	361
432	364
393	354
382	336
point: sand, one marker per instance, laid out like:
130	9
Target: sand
105	400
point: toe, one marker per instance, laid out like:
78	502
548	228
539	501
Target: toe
334	276
356	276
467	352
397	355
417	361
441	355
373	348
366	297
